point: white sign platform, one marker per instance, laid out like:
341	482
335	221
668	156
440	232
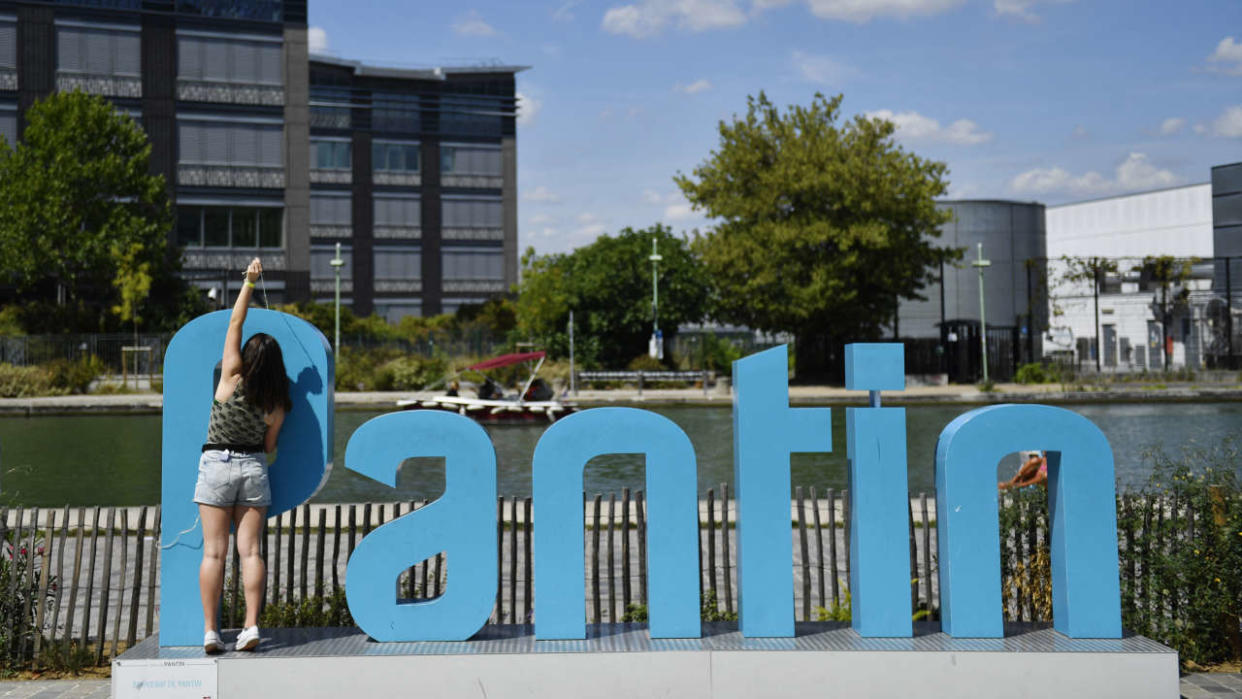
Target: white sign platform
824	659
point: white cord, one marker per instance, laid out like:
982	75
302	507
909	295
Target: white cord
180	534
263	285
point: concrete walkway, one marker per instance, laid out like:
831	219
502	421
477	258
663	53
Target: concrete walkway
1201	685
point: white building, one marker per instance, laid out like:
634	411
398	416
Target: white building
1174	222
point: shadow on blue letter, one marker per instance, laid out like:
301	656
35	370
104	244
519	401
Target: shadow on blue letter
460	522
1082	515
304	451
879	494
765	432
672	519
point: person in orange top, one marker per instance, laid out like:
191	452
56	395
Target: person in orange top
1034	471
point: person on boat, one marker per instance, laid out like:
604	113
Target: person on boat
490	390
248	409
1034	471
453	389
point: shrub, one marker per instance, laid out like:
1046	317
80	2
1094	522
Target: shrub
645	362
25	381
414	373
19	599
75	375
1035	373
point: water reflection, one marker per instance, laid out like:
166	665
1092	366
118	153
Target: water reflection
114	460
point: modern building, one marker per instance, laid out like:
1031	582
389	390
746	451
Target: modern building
1133	331
949	320
414	174
412	171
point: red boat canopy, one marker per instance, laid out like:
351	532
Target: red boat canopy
508	359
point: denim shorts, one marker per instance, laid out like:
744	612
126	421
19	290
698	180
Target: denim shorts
229	478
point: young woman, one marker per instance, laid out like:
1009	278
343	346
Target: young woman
250	404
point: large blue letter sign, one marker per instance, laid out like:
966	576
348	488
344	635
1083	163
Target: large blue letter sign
765	432
879	496
304	452
672	519
1086	595
460	522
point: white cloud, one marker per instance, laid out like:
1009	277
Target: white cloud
587	218
1134	173
1229	124
540	219
650	196
649	17
1200	129
542	195
472	24
678	212
694	88
1021	9
528	108
317	40
1172	125
1080	131
865	10
914	128
564	13
821	69
1229	53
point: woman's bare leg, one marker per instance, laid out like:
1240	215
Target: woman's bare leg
216	522
254	573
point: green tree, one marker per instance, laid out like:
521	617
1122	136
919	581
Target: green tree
83	223
608	286
822	226
1093	270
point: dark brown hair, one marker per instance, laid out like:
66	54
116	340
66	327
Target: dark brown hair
263	374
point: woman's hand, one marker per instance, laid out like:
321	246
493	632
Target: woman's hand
254	271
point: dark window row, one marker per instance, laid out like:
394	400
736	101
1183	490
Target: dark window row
230	226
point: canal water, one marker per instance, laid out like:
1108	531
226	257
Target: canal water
115	460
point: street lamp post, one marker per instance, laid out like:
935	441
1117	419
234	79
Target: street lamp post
337	263
981	263
656	348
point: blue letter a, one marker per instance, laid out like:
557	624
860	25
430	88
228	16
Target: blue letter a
461	522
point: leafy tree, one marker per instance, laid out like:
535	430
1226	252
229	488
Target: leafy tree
822	226
83	224
608	286
1094	270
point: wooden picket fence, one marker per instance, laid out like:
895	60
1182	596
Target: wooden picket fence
97	568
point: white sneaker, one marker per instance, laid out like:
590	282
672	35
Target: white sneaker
212	642
248	639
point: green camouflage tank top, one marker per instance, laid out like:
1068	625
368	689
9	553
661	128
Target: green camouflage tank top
235	421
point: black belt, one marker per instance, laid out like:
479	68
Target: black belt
239	448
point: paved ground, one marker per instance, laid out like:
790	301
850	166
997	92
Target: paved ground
1197	686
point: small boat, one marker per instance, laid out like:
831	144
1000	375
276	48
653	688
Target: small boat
536	402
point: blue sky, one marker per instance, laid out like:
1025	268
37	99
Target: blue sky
1045	100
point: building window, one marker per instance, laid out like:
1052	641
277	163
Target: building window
395	211
230	226
477	116
331	154
473	263
331	209
99	51
8	44
218	59
398	263
395	112
472	212
390	156
470	160
223	143
321	262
